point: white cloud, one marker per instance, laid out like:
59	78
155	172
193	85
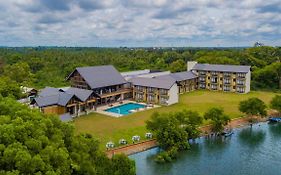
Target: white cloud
139	23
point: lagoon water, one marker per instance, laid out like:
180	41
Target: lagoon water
250	151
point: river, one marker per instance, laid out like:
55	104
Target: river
249	151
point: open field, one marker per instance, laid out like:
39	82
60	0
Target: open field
107	128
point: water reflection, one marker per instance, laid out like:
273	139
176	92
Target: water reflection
275	129
216	143
252	136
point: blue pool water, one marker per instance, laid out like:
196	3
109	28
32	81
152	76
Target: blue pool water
125	108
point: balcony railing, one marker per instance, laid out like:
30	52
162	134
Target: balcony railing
119	91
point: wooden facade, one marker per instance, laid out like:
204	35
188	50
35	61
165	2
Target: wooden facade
78	81
54	109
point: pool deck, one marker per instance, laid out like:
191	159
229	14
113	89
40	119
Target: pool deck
101	109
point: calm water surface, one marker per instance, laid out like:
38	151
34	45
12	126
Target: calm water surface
255	151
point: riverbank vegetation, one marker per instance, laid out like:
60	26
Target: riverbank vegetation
218	119
253	107
172	130
32	143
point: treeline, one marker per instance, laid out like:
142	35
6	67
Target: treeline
40	67
31	143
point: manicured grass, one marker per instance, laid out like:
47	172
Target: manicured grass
107	128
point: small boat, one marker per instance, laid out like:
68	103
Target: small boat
228	134
275	119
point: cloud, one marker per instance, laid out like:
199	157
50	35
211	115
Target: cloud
139	22
270	8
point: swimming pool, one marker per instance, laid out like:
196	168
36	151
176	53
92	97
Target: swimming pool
125	108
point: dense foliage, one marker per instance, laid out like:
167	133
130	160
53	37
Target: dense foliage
275	103
253	106
40	67
218	118
31	143
172	131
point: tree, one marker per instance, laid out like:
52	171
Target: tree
168	131
9	87
172	131
19	72
122	165
178	66
253	106
32	143
190	121
276	103
218	118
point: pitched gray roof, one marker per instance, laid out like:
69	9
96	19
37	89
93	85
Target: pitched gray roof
222	68
179	76
61	96
47	91
153	82
60	99
82	94
101	76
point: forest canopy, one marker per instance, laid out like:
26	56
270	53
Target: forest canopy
32	143
42	66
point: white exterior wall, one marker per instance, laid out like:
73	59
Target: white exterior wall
190	65
248	82
173	94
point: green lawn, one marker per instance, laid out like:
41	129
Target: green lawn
107	128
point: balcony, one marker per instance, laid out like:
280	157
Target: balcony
117	92
240	83
226	82
227	75
214	74
241	76
163	93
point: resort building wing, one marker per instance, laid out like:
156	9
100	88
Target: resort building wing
186	81
105	81
65	100
155	90
227	78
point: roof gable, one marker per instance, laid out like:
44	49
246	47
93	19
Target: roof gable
100	76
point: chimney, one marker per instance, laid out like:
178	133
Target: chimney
190	65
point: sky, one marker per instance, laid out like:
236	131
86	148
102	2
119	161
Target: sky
140	23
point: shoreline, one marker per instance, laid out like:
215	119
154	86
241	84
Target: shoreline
206	130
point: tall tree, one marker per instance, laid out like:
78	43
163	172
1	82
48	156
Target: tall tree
218	118
253	106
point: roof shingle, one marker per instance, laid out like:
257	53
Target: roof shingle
101	76
222	68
